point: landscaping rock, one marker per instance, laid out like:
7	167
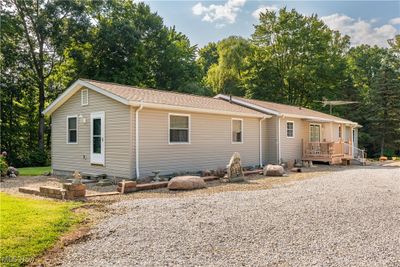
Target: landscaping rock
273	170
186	183
12	172
234	168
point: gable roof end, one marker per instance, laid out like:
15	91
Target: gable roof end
157	99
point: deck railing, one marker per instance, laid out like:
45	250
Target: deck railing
327	149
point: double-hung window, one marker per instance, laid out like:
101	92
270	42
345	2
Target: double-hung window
237	131
179	129
72	129
290	129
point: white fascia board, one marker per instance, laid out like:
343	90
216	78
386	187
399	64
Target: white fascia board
248	105
73	89
59	100
319	119
197	110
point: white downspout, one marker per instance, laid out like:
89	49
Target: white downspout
260	134
137	140
279	140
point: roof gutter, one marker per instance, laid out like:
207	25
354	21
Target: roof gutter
198	110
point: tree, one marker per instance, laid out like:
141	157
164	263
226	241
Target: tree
226	76
208	55
129	44
386	105
297	59
375	77
46	28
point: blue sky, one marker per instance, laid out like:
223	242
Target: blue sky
370	22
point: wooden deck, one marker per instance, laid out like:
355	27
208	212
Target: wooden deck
332	152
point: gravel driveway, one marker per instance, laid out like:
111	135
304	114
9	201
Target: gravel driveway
345	218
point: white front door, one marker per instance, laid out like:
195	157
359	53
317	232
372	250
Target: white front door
97	138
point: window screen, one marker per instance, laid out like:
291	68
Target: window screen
290	129
237	131
178	129
72	130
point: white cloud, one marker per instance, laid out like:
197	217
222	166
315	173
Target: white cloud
262	9
395	21
360	31
225	13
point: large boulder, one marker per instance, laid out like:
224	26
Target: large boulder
186	183
273	170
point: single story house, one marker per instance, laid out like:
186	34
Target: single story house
298	133
129	132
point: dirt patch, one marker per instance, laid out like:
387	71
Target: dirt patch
92	213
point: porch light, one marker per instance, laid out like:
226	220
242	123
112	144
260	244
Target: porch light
82	119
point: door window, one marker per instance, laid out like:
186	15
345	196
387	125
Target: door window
315	133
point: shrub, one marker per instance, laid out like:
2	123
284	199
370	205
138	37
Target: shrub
3	166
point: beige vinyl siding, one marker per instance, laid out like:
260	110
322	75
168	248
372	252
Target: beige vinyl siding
118	138
355	143
270	140
291	147
210	143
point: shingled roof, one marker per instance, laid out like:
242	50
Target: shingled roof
153	98
282	109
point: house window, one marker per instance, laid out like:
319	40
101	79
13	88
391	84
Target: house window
72	130
237	130
290	129
84	97
179	129
340	131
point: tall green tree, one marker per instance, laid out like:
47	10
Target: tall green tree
46	28
129	44
208	55
385	116
297	59
227	75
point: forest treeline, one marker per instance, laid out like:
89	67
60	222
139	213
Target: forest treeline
290	58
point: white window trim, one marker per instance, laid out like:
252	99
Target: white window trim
241	130
287	129
340	132
320	131
77	129
190	129
87	94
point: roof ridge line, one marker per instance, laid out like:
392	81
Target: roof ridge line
149	88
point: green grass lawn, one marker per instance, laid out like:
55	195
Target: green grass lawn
29	226
33	171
